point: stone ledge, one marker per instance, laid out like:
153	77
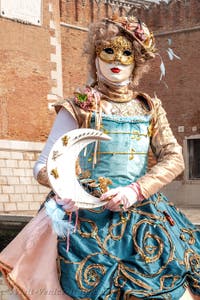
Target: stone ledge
193	214
13	218
20	145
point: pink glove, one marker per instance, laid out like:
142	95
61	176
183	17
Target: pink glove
67	204
122	197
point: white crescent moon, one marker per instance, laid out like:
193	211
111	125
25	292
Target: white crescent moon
61	166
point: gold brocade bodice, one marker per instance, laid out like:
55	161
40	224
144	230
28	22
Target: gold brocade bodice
126	109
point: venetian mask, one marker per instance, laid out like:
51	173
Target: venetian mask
118	49
115	72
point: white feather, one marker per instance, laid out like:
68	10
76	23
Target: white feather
169	41
162	70
171	54
56	214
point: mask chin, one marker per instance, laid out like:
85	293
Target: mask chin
114	72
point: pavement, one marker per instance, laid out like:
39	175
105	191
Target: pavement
193	214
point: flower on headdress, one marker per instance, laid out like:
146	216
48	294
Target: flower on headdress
139	32
87	98
137	29
126	24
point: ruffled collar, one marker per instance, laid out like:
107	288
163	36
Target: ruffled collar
115	93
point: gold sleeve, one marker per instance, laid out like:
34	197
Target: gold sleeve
167	151
42	177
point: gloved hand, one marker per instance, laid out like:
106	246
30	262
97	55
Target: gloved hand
68	205
122	198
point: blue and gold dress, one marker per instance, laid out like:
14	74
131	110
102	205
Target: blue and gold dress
151	251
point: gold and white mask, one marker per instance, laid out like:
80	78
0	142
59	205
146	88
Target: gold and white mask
118	49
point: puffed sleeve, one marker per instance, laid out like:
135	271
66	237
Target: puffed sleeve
167	151
69	117
81	116
63	123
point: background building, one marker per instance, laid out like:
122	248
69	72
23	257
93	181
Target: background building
42	61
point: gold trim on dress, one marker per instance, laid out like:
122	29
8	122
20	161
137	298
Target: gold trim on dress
131	153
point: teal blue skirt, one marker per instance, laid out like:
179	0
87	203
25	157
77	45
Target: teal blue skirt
151	251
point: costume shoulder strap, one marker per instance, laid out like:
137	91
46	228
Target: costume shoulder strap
151	104
146	100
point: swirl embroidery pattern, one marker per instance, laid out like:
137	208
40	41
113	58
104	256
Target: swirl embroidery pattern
130	255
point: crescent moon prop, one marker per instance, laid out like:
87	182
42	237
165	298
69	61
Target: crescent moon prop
61	166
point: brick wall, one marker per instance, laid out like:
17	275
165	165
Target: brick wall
19	192
74	70
26	81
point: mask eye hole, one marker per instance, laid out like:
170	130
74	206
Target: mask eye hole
108	50
127	53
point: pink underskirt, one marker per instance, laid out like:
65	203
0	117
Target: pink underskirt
29	264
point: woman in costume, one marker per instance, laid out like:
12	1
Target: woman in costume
138	245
